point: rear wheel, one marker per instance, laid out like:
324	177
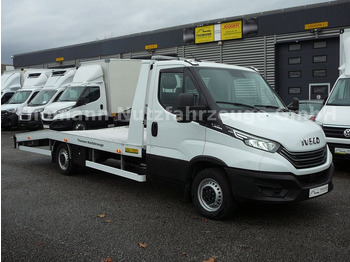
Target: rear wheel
64	161
211	193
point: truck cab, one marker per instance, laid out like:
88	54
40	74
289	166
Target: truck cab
335	114
11	81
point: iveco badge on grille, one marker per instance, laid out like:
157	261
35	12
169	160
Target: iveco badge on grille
347	133
310	141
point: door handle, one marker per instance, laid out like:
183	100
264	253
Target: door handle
154	129
101	106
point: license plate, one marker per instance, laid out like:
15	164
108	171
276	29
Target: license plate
342	151
46	126
317	191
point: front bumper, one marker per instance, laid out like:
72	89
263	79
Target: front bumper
62	125
9	120
340	151
272	187
32	121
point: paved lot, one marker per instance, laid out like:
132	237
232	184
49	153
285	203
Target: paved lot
93	216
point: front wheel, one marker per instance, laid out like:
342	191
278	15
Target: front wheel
211	194
64	161
80	125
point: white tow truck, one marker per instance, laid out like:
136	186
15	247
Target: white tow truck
335	114
218	130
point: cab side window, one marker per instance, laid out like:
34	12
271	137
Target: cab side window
172	84
91	94
170	87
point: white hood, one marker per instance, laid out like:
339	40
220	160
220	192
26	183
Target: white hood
19	107
288	129
334	115
54	107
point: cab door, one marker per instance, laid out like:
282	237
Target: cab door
173	143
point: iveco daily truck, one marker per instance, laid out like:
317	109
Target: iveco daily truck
218	130
335	114
55	85
33	83
100	91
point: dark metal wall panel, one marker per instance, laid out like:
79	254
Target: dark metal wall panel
294	21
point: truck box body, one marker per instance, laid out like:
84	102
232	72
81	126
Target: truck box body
115	81
120	78
218	130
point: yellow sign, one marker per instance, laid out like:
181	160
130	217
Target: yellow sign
59	59
231	30
149	47
316	25
132	150
204	34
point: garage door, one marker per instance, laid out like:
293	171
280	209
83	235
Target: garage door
306	69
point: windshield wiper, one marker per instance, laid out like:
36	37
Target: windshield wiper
237	104
273	107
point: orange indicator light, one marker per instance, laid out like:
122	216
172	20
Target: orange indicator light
65	140
28	137
119	151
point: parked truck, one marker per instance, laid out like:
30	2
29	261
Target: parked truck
100	92
35	80
218	130
30	118
335	114
11	81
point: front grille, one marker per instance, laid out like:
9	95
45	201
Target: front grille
49	116
337	132
305	159
25	117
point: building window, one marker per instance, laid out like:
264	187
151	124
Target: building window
319	73
319	90
320	59
294	60
294	74
294	47
294	90
320	44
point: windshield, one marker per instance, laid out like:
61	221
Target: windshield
20	97
72	93
340	95
310	108
235	89
42	98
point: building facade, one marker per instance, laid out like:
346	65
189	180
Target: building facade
296	49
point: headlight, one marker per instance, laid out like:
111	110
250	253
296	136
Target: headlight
64	110
12	110
252	141
38	110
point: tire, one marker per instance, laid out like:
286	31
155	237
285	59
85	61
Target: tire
63	160
80	125
211	194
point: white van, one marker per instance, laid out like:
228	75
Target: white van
54	87
33	83
11	81
335	114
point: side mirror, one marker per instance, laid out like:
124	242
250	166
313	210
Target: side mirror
187	110
81	102
295	105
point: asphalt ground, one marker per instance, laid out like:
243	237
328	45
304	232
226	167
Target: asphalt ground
94	216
